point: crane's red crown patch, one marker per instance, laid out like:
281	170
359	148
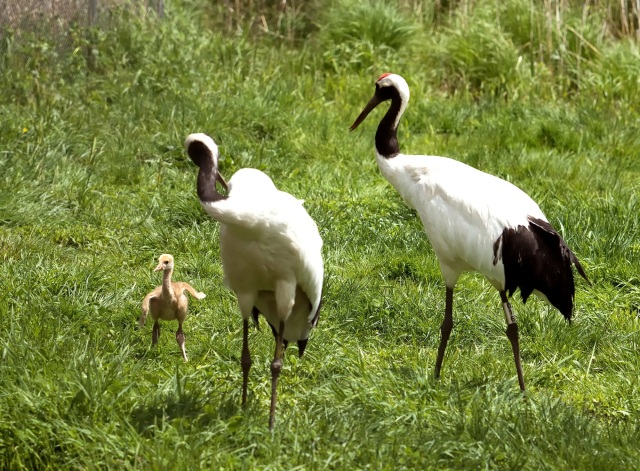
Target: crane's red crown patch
383	76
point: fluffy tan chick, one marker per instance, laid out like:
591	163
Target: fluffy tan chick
168	302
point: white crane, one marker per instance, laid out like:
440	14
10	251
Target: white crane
475	222
271	254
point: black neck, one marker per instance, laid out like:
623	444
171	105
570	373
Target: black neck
207	191
386	135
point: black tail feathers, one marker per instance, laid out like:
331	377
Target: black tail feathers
537	258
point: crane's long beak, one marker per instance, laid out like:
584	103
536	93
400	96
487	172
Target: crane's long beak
375	101
220	179
159	267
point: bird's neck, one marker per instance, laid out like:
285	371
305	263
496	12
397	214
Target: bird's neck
206	186
167	287
387	133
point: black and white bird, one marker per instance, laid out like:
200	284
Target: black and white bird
475	222
271	254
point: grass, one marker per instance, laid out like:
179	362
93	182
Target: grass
94	185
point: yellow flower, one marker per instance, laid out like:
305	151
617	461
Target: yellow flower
25	130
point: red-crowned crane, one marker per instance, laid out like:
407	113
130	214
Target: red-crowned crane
475	222
271	254
168	302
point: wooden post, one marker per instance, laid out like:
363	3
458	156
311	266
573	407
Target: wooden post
92	20
93	12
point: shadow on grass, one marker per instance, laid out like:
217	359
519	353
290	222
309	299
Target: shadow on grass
189	410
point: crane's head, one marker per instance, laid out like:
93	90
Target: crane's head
165	262
204	153
388	86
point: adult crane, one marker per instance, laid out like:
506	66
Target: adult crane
475	222
271	254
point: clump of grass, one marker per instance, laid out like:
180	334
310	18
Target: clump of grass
472	56
615	74
512	46
360	34
277	20
373	21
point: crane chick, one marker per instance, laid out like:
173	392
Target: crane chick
168	302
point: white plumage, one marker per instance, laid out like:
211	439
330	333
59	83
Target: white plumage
270	249
269	246
474	221
463	210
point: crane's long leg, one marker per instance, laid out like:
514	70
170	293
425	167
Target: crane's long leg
156	333
276	367
180	340
445	329
512	335
245	360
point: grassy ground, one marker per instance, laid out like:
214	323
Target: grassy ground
94	185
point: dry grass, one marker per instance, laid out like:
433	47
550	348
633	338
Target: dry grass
56	16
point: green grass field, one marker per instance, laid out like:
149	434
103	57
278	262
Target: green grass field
95	185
